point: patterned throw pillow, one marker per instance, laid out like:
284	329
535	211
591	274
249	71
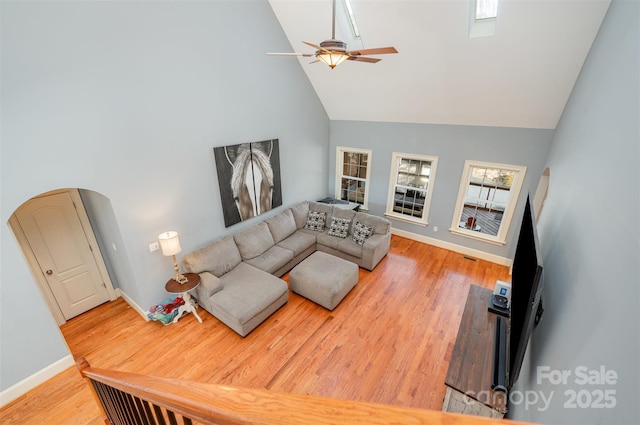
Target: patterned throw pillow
315	221
339	227
361	232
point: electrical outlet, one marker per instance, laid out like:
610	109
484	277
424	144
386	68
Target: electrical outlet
154	247
435	228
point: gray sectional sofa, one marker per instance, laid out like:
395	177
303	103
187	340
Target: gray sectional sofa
239	274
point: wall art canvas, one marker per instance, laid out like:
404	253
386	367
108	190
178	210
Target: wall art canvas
249	179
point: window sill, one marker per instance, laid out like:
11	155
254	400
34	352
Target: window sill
406	219
477	236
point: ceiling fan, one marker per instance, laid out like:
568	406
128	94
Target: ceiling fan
333	52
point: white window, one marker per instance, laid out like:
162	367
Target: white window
482	18
486	9
352	175
410	187
352	19
486	199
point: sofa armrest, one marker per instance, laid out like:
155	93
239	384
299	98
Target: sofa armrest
209	285
374	250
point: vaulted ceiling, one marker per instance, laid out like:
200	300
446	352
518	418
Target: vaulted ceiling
521	76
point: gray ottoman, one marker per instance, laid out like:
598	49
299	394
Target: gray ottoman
324	279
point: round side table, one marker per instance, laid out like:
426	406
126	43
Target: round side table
175	287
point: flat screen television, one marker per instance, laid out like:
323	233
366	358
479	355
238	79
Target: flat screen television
526	290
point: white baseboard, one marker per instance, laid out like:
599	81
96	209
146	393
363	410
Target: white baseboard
133	304
454	247
55	368
36	379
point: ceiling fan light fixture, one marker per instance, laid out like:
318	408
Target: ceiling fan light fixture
332	59
333	52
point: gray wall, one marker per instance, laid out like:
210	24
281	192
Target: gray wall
452	144
590	238
127	100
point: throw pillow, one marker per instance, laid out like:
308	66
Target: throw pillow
361	232
339	227
315	221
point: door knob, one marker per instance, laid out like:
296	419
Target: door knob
49	272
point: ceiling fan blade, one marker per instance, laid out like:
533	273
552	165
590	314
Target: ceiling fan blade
315	46
308	55
363	59
374	51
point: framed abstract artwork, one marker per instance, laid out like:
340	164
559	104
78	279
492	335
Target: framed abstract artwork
249	179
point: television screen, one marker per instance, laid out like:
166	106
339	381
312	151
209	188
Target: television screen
526	287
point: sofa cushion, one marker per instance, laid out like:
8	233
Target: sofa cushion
328	240
380	225
316	221
247	292
361	232
345	213
281	225
219	257
348	246
339	227
272	259
299	242
254	241
300	214
320	207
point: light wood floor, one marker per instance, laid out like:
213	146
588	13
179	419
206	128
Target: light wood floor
389	341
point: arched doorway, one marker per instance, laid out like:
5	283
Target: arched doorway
57	238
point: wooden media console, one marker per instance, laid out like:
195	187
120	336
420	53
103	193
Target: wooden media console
469	376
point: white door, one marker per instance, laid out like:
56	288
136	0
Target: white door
56	236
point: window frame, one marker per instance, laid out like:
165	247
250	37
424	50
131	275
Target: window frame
340	151
514	195
481	27
396	158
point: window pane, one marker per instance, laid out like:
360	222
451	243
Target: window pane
478	174
425	169
486	198
481	220
362	171
353	191
486	9
403	179
409	194
351	175
354	170
409	202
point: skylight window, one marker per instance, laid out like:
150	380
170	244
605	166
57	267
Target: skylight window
482	18
352	20
486	9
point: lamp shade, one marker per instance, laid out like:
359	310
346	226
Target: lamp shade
169	243
332	59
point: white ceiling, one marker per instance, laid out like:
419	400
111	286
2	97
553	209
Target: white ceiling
520	77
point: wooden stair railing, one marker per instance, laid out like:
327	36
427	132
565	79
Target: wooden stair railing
132	399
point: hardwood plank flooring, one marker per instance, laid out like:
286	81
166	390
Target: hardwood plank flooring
389	341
